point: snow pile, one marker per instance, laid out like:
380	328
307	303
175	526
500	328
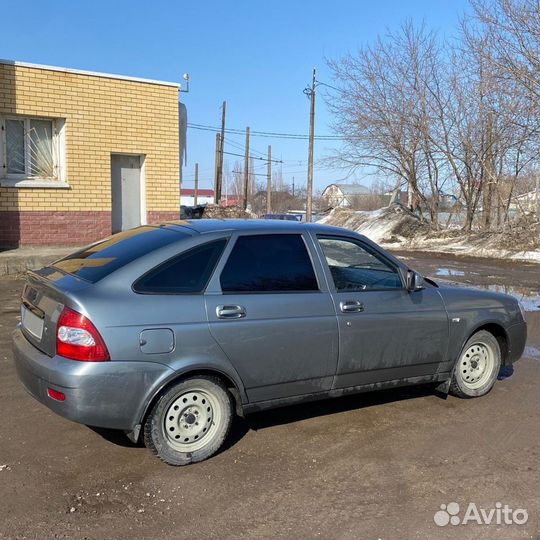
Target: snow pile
393	225
213	211
398	228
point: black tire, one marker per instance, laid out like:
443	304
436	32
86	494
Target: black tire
190	421
475	351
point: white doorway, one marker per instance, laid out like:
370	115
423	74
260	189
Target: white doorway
127	191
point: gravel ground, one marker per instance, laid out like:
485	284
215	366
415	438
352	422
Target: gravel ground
371	466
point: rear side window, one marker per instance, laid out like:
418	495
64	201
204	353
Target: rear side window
189	272
269	263
99	260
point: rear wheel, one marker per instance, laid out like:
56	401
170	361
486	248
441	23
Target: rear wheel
476	370
190	421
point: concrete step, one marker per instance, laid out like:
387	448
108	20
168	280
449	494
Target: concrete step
16	261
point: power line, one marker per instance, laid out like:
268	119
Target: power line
241	147
252	157
272	134
250	174
241	134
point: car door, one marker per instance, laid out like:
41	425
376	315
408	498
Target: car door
270	311
385	331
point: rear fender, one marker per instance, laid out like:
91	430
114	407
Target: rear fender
197	366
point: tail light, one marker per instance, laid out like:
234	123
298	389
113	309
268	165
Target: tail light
78	339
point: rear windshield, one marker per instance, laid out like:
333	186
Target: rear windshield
99	260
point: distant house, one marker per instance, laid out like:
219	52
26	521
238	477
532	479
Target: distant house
207	196
527	202
344	195
401	197
447	201
230	200
204	196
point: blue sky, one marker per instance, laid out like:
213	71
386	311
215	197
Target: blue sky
256	55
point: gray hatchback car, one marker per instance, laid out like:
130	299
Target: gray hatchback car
168	331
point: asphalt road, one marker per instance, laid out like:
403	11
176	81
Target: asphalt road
371	466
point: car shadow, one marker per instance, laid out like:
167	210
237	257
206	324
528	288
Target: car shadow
117	437
324	407
295	413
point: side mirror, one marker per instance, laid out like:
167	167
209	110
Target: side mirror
414	281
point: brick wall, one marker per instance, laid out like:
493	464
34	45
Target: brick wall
160	217
62	228
102	116
53	227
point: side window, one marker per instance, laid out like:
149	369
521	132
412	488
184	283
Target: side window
269	263
189	272
354	268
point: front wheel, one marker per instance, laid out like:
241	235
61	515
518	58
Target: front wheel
190	421
476	370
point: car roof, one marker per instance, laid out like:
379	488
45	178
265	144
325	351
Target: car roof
203	226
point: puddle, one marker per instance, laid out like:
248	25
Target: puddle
449	272
531	352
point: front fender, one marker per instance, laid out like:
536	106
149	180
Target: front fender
472	309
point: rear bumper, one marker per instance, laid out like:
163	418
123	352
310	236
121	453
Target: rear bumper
517	338
102	394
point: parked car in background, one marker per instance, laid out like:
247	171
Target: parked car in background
169	331
286	217
192	212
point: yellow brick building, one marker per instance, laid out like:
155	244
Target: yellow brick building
84	154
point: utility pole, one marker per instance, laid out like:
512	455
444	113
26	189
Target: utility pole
196	184
293	187
219	180
218	148
246	171
309	195
269	182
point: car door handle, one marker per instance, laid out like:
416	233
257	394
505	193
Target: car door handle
351	306
230	312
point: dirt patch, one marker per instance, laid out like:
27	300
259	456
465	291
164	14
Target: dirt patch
375	465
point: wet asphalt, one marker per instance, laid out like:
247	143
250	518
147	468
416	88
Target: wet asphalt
376	465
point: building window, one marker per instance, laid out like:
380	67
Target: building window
32	148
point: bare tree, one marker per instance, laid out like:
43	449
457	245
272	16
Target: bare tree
511	40
237	187
381	109
283	199
447	117
505	34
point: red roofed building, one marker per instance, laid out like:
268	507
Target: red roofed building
204	196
